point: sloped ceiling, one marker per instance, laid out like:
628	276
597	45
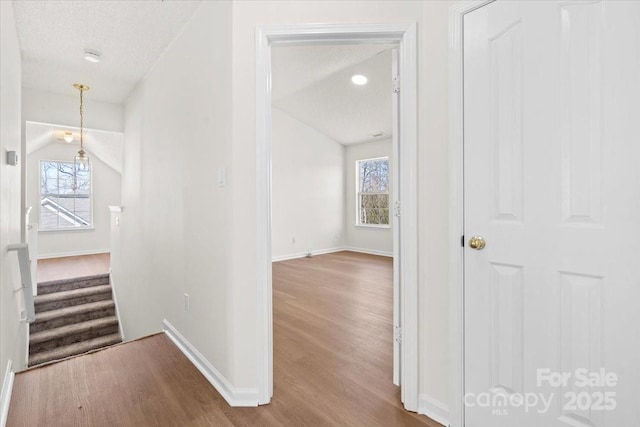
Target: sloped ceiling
131	35
107	146
313	84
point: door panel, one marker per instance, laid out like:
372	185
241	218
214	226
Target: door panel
551	180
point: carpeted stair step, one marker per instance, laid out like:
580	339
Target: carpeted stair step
70	284
64	299
75	314
69	334
74	349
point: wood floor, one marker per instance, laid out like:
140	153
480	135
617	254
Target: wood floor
332	364
73	266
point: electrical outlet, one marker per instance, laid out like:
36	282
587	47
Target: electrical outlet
186	302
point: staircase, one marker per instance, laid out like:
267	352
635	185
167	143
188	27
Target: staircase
73	316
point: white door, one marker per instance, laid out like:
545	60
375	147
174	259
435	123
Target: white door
552	184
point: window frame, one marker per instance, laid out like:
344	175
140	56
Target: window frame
358	193
89	227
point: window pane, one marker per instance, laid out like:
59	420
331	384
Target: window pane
374	208
373	191
374	176
65	196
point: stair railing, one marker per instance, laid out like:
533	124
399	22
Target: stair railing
28	314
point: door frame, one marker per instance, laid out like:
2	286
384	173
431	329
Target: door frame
405	34
456	206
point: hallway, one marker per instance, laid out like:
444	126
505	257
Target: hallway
332	350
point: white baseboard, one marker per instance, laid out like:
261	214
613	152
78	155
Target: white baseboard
330	251
234	396
74	253
304	254
368	251
433	409
5	397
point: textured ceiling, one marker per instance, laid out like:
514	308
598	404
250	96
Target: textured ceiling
313	84
131	35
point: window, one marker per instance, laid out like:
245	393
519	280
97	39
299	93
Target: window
65	197
373	192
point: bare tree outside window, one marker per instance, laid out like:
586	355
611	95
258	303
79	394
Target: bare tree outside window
65	196
373	191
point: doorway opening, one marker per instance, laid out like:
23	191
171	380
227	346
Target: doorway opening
405	250
333	171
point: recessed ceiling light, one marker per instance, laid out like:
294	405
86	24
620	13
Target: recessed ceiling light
92	55
359	79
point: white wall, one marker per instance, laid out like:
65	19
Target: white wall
105	192
433	200
12	332
47	107
175	235
179	235
432	17
307	200
376	240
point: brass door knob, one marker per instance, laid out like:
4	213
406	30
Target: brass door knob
477	243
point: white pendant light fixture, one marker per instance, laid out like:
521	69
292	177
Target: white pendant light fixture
68	136
81	160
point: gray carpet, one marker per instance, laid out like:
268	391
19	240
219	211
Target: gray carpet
73	316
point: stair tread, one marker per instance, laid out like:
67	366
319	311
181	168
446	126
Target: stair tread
74	293
74	349
74	279
74	328
48	315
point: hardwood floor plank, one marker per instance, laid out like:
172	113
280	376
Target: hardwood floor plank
73	266
332	319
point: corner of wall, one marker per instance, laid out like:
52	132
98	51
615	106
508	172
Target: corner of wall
240	397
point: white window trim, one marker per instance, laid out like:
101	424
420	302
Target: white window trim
380	226
66	230
89	227
358	193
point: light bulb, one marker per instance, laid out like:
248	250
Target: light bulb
81	162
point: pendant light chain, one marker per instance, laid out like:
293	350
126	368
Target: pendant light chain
81	158
81	119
